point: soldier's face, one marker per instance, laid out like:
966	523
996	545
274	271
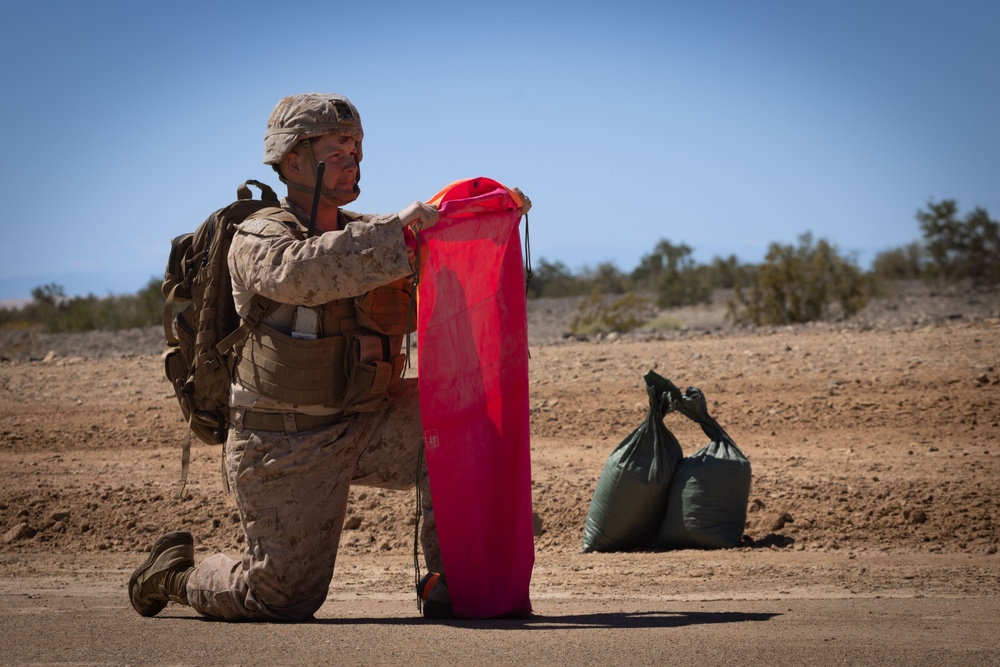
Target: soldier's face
340	154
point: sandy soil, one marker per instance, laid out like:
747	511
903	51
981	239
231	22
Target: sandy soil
871	538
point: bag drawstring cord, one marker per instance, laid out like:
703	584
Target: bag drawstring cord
411	313
418	515
418	510
528	275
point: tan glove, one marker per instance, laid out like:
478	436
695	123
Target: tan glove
419	215
526	206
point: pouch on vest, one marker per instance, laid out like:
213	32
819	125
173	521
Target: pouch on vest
370	379
631	495
387	309
293	370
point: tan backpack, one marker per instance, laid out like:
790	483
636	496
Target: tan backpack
202	334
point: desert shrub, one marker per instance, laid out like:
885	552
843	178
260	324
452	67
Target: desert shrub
728	273
669	272
595	315
605	277
554	279
662	323
904	263
960	249
672	274
801	284
52	310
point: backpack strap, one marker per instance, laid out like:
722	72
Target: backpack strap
260	307
168	317
266	193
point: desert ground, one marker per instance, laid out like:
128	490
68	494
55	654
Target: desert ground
871	537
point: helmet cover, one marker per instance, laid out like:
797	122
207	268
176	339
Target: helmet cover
308	115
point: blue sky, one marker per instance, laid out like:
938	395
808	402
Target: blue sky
722	125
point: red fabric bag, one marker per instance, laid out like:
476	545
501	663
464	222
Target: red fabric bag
472	342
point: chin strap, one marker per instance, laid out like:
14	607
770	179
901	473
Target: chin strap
337	197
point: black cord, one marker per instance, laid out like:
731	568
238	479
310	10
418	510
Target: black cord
416	532
528	275
317	193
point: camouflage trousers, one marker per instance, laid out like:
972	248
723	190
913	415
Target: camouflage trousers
292	492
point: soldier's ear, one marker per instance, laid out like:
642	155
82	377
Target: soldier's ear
291	165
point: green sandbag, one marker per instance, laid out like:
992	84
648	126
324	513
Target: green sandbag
631	495
707	500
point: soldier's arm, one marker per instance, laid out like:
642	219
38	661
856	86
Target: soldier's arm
266	257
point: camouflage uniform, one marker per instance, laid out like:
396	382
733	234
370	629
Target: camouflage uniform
292	487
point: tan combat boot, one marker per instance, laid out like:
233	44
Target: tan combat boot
163	577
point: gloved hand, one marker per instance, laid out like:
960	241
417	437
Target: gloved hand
419	215
526	206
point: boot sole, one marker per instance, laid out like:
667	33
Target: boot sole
166	542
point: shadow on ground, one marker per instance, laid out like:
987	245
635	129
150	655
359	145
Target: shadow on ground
620	620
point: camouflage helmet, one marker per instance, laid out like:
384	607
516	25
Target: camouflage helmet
299	117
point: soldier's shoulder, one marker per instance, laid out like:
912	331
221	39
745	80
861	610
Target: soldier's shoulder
270	221
353	216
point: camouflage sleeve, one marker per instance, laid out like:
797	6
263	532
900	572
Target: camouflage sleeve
268	258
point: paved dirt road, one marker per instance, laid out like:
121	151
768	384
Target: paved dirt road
83	619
